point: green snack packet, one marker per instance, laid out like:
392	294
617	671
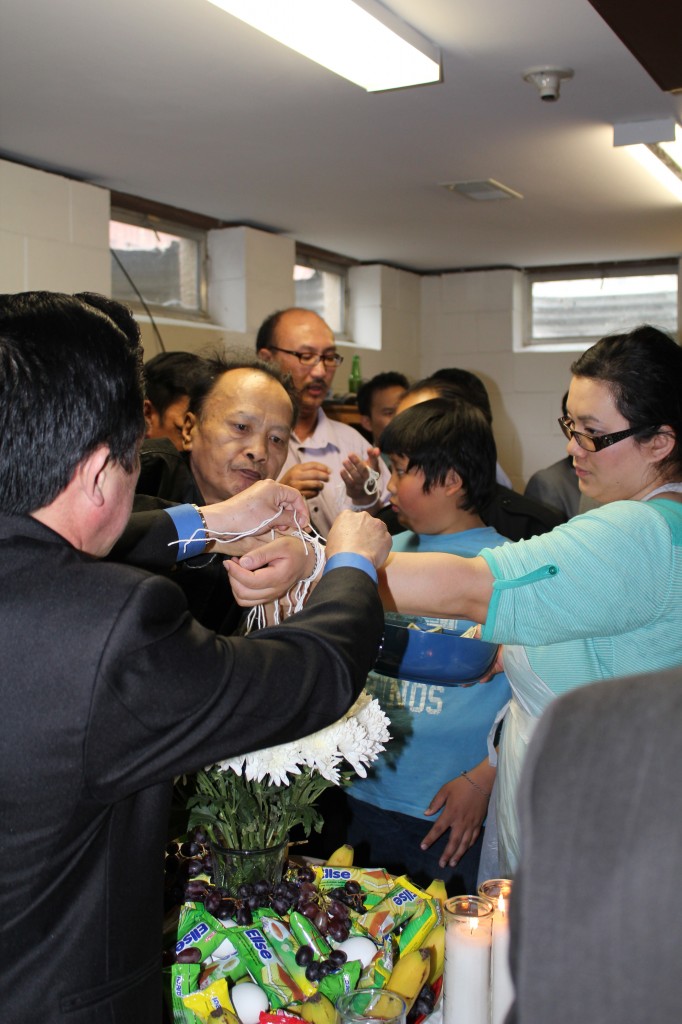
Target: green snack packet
286	947
180	980
201	930
338	982
264	966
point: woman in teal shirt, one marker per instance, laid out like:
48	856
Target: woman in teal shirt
601	595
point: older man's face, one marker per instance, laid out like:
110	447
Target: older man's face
242	435
301	330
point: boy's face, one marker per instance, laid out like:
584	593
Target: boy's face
416	510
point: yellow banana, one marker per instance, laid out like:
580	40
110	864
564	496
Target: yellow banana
437	890
409	975
435	944
317	1009
342	857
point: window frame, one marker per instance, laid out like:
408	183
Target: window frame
152	222
574	343
327	262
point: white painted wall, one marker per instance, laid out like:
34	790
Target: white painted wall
54	232
469	320
54	235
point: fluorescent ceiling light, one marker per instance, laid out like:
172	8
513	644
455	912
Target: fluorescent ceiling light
657	146
358	39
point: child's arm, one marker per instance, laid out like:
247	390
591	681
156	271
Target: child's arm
464	800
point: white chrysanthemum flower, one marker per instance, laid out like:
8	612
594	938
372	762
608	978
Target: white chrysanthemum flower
321	752
357	739
274	762
376	724
236	765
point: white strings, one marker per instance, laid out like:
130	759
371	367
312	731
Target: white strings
226	536
370	485
295	598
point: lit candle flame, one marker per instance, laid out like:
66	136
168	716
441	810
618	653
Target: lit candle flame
501	905
473	925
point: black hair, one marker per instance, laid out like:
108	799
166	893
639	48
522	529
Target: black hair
213	368
71	380
468	385
389	379
169	376
266	331
438	436
564	406
643	370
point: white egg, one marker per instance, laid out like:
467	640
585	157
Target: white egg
248	1000
359	948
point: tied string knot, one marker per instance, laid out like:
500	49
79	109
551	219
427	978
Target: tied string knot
371	484
296	596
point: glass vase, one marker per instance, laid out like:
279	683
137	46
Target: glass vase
232	868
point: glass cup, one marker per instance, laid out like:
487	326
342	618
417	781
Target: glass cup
466	978
371	1004
499	891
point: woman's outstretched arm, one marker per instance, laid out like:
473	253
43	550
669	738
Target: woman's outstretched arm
440	584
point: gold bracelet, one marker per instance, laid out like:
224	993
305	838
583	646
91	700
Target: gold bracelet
474	784
203	523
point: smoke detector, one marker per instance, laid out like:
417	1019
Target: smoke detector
547	81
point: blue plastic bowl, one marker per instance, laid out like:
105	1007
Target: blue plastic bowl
445	658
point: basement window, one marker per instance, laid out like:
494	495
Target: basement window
157	265
571	310
322	285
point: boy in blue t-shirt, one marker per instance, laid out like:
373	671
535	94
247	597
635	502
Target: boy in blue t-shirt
442	458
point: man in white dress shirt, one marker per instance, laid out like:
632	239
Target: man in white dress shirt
328	461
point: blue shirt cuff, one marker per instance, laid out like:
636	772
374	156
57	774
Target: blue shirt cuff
353	561
188	524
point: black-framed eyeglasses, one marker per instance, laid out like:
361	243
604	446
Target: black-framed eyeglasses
312	358
596	442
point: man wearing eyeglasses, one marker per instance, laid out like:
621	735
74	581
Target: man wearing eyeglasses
325	461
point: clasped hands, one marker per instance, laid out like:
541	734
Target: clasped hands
310	477
266	568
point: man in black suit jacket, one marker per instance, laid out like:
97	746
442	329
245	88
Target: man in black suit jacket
109	687
236	431
596	911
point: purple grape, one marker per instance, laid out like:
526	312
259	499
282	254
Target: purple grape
171	865
242	916
189	955
321	922
226	910
304	956
339	931
339	910
312	972
190	849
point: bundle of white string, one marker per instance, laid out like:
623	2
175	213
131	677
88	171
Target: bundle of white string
295	598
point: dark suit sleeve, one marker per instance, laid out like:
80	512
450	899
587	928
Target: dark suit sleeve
147	540
172	697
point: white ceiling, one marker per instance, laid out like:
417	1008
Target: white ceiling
175	101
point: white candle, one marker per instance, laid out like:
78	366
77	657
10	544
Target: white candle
502	988
466	978
498	891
